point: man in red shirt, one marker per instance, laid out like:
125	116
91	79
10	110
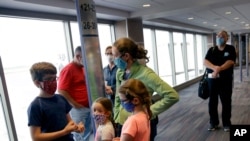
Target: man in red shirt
72	86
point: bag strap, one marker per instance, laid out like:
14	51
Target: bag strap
204	75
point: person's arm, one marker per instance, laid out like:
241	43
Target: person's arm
226	65
65	82
216	69
168	94
126	137
69	99
209	65
117	99
230	59
37	135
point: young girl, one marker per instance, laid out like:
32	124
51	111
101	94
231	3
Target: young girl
102	114
136	99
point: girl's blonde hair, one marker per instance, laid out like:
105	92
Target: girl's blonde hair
135	88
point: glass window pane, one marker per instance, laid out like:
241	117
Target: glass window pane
190	55
75	34
199	54
178	57
105	38
149	46
163	57
3	132
24	42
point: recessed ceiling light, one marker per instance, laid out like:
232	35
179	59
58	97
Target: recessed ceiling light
236	18
215	25
204	22
246	24
228	12
146	5
242	22
190	18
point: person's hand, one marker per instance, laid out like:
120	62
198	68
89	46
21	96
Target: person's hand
216	71
71	126
108	90
80	128
116	139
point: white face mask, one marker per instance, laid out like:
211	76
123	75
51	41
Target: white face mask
110	58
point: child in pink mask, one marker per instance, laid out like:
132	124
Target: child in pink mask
102	114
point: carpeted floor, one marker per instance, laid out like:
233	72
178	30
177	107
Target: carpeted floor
188	119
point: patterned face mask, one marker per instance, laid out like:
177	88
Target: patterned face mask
50	86
99	118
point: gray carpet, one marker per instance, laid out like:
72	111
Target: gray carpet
188	119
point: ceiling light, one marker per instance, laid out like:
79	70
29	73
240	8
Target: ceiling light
190	18
215	25
242	22
228	12
236	18
246	24
146	5
204	22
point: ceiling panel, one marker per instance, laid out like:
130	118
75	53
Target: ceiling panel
174	12
244	10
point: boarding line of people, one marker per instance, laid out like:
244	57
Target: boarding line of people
127	113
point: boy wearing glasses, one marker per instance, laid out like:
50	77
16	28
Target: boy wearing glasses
48	113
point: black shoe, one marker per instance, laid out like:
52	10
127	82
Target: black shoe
226	128
213	127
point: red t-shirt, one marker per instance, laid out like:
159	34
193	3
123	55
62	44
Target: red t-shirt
72	80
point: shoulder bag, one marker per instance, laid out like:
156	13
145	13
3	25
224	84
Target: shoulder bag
203	90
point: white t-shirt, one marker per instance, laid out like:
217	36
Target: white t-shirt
105	132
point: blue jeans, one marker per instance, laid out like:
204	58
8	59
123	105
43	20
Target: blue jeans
82	115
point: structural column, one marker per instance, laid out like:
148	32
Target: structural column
131	28
86	17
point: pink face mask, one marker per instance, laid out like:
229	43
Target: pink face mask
50	86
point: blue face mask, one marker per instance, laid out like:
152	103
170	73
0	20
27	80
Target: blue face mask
128	106
120	63
219	41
